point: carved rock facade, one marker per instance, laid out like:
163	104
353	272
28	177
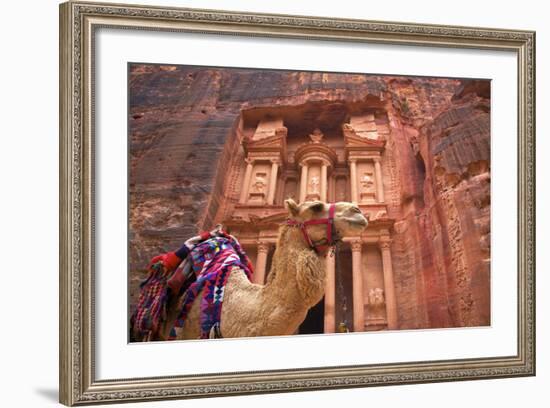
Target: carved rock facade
229	145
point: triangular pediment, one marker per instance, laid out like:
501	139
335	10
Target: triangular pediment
255	221
271	141
353	141
277	217
275	143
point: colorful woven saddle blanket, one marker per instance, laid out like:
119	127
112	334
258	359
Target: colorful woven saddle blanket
212	261
150	310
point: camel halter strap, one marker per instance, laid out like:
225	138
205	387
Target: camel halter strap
330	229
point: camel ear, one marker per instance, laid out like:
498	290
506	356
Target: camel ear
291	207
317	206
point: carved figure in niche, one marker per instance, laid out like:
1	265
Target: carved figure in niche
259	183
316	136
341	195
367	181
314	184
376	297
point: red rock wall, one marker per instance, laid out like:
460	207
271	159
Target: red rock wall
441	245
436	171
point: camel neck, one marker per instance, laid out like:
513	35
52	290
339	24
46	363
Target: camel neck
296	271
291	238
290	244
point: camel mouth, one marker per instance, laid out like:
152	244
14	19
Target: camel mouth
361	223
353	227
337	238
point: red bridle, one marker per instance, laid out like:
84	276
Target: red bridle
330	229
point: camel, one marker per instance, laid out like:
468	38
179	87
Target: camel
295	283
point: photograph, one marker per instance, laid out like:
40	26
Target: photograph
267	202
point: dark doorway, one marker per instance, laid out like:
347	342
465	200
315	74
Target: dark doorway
314	322
344	288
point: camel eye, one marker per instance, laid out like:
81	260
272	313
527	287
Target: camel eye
356	209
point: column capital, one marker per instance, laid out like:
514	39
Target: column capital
352	160
356	245
263	246
249	160
376	159
275	160
384	243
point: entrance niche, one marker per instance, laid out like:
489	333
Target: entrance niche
314	323
366	181
316	160
259	184
373	286
344	289
314	184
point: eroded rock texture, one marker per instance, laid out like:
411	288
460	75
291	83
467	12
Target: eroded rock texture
442	233
436	169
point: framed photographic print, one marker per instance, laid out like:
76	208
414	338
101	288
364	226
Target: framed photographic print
258	203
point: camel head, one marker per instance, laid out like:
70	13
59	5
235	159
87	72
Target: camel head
348	218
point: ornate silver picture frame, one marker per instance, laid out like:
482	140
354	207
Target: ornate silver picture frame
79	22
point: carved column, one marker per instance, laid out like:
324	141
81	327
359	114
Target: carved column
261	263
330	295
324	182
246	182
331	196
273	181
303	183
358	295
389	287
379	184
353	179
